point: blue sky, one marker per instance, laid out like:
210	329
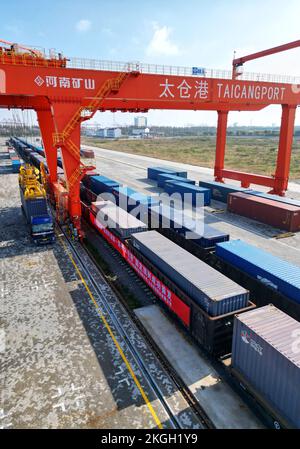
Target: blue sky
191	33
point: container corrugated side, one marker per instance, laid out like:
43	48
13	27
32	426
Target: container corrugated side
33	206
162	178
279	215
268	269
194	192
280	199
200	233
113	217
153	172
265	352
219	190
213	291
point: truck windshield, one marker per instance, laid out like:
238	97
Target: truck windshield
43	227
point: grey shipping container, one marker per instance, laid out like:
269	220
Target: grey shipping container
117	219
213	291
266	358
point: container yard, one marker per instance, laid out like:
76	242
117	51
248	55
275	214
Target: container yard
140	293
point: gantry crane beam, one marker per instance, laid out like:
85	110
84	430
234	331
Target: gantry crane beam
63	97
237	62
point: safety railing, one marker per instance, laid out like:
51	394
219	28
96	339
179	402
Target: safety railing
118	66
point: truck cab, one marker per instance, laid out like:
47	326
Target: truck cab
42	229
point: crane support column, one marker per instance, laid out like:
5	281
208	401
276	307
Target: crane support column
284	149
47	129
220	145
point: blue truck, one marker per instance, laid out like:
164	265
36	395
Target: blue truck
38	218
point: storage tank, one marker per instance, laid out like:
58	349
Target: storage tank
266	359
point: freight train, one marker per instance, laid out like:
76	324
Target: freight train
200	304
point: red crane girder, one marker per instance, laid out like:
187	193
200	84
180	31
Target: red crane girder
63	97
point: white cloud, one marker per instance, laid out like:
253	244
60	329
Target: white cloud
83	25
160	43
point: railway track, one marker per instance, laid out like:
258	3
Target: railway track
92	271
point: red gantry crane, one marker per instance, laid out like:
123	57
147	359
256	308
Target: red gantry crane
66	92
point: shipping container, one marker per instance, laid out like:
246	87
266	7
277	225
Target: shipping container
33	206
215	293
128	199
199	233
100	184
153	172
266	359
197	196
279	215
162	178
87	153
16	164
118	220
220	191
280	199
214	334
274	272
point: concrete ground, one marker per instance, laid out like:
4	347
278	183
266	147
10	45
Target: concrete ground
223	406
131	170
59	365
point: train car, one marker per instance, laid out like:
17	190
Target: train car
197	196
220	191
116	219
266	362
129	199
213	333
195	236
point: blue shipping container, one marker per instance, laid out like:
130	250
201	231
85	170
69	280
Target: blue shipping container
153	172
220	191
196	194
100	184
162	178
270	270
128	198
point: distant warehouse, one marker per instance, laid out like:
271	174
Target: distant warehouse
109	133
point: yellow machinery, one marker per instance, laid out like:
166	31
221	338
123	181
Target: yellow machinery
29	183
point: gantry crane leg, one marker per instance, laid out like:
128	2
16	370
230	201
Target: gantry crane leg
220	145
53	122
284	150
46	124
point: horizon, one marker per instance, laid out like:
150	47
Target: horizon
158	34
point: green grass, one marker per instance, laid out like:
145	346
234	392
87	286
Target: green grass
257	155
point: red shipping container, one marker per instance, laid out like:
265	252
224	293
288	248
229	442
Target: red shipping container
280	215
